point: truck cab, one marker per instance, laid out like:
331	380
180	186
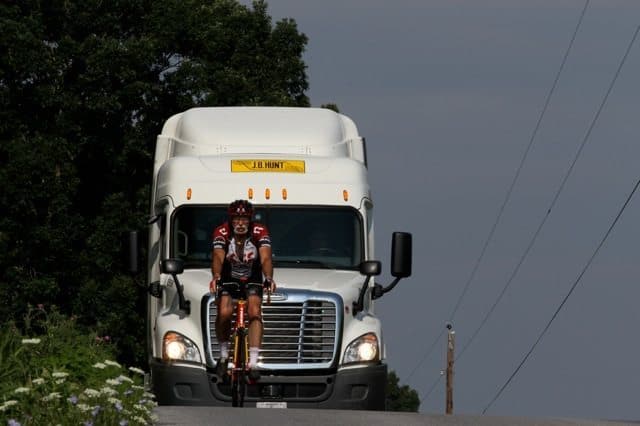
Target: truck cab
305	172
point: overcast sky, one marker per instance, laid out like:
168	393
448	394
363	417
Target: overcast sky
447	94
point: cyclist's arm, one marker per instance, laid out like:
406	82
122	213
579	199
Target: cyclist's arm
217	259
267	265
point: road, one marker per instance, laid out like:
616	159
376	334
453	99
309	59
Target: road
194	416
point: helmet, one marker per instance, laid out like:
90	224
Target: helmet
240	208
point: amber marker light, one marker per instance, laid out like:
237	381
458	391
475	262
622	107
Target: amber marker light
250	193
284	193
189	193
267	193
345	195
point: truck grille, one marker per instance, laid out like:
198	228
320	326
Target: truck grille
297	330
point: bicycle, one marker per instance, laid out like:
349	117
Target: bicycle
237	368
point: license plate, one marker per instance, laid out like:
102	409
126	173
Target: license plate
271	404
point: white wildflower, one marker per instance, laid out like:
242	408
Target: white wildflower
99	365
108	391
52	396
141	408
22	390
114	401
140	420
113	382
154	418
137	387
38	381
148	395
137	371
8	404
34	341
83	407
91	393
122	378
59	375
112	363
60	381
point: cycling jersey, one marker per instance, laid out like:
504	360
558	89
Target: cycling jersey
242	261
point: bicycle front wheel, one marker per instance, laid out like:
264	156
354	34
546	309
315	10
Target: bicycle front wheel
239	383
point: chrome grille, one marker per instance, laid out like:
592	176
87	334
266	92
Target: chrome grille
300	329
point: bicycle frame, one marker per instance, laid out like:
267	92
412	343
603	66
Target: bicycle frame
239	336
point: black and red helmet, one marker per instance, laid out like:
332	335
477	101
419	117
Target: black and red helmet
240	208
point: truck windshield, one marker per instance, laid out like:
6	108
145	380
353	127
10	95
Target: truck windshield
302	237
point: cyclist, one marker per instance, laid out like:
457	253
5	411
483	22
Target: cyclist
241	252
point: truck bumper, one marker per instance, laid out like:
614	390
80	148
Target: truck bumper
361	388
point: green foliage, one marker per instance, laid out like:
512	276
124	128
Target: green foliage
332	107
400	398
84	89
58	374
63	346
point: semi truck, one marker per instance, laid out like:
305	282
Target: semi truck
305	172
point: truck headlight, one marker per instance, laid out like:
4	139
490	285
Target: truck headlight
363	349
176	347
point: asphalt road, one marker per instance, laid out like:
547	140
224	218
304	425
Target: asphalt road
193	416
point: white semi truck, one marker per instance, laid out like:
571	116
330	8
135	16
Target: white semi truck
305	171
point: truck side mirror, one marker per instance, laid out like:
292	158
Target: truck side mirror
172	266
401	246
370	267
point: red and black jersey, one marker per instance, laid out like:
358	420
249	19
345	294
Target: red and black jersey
245	264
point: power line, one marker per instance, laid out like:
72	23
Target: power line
573	287
520	166
432	388
433	345
557	194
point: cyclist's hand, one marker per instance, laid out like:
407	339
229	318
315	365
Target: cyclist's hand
213	285
269	285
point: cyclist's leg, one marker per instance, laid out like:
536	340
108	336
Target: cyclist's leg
255	320
223	331
223	319
255	331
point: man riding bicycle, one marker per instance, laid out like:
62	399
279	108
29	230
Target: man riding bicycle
241	253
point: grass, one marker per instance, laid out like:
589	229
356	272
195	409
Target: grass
52	372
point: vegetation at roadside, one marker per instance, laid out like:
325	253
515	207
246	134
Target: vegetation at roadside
57	373
400	397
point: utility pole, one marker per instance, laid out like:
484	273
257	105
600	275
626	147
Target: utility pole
451	343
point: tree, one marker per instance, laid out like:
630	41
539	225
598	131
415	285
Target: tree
400	398
332	107
84	89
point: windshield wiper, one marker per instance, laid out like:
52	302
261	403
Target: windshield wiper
304	263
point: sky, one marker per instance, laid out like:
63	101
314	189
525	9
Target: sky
448	94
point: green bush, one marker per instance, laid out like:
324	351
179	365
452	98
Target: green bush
54	372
